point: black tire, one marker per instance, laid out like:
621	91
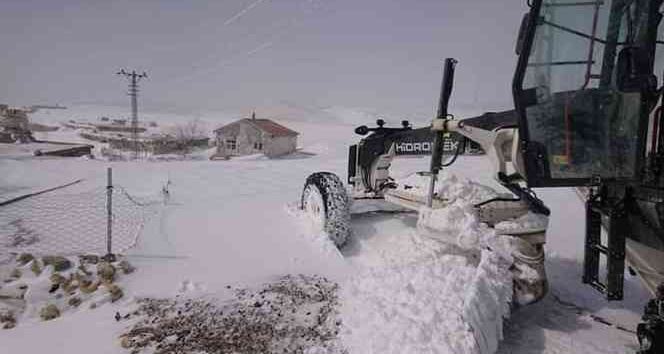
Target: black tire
332	205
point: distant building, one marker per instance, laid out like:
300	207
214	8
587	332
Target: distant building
14	125
253	136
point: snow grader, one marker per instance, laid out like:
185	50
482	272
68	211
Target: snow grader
587	114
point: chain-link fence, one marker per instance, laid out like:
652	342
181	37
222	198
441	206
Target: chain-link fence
69	224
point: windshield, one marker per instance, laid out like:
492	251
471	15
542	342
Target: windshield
583	120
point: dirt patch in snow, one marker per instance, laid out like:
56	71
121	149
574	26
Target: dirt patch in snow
295	314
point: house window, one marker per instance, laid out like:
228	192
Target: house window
258	146
231	144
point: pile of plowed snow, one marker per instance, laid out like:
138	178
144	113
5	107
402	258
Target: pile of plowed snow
443	294
442	305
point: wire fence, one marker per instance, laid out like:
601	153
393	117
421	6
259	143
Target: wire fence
70	224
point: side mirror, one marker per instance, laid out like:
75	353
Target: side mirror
522	33
362	130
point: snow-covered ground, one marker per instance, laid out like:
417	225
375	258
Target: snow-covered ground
233	223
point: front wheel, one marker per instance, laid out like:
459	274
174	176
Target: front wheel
325	200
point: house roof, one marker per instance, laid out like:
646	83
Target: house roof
266	125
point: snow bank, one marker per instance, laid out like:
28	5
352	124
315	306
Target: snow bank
409	309
312	233
431	296
443	304
488	300
252	157
457	223
529	221
449	186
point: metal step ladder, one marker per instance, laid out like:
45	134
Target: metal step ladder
616	223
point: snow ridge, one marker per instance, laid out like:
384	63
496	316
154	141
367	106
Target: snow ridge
444	288
488	300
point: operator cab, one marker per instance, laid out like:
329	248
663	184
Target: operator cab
584	89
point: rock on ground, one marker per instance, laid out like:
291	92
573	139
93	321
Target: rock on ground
59	263
49	312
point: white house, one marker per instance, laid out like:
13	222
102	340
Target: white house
253	136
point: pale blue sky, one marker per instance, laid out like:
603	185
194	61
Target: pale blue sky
382	54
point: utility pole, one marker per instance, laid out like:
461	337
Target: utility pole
134	78
110	257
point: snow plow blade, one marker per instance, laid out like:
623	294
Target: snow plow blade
452	279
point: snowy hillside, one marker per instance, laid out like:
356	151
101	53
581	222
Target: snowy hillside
235	225
284	110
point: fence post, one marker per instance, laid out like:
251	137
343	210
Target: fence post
110	257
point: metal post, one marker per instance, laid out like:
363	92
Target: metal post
109	210
432	189
437	151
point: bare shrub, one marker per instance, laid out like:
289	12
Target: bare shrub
189	135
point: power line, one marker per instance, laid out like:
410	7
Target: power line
277	33
242	12
134	78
